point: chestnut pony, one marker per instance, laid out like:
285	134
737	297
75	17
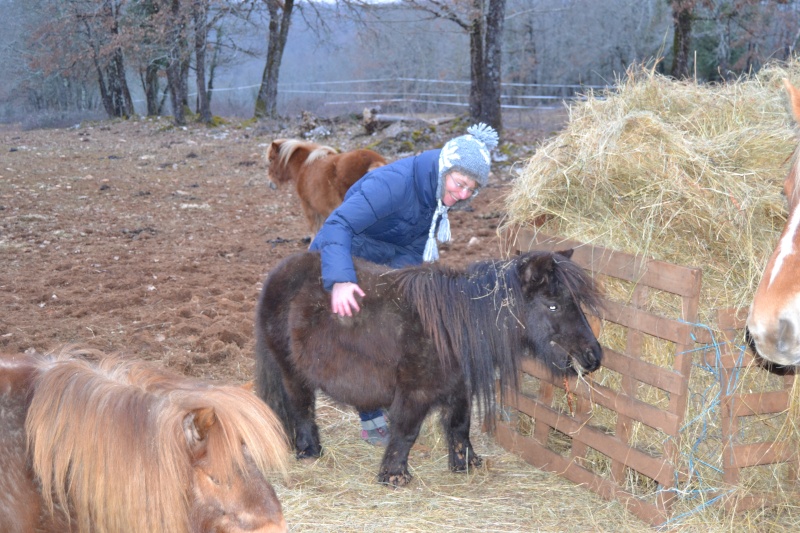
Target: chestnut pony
774	320
118	445
321	175
427	336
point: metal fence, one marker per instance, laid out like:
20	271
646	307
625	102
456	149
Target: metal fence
416	95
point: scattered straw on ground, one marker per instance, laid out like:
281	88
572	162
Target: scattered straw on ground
339	492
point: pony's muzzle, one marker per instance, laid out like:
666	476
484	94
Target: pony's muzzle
587	361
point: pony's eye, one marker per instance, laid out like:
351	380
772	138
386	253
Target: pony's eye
553	307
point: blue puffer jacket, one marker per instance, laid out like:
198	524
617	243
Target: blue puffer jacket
384	218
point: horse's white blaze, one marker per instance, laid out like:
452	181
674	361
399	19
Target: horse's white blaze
786	245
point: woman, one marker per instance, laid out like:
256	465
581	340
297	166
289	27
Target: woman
390	217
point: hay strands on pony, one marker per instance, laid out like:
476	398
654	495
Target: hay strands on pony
426	336
119	445
321	175
774	319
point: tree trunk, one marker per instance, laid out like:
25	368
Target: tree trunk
280	16
491	112
175	82
682	15
200	15
212	68
118	83
476	61
175	69
151	88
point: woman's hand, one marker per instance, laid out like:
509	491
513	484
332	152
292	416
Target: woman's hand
343	300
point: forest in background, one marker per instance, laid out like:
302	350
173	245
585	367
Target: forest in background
60	60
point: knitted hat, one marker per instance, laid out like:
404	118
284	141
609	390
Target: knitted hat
469	154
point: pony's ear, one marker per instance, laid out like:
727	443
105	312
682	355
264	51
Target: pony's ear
535	269
196	425
274	150
566	253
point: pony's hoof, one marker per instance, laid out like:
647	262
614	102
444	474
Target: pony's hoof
459	462
395	480
308	454
462	466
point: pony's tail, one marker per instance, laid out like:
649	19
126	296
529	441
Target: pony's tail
273	342
269	381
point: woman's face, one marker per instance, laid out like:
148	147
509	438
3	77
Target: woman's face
457	187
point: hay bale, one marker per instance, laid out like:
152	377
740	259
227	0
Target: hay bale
685	173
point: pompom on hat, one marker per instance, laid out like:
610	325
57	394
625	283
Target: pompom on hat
471	155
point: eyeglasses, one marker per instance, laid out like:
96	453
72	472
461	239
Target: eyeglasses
463	187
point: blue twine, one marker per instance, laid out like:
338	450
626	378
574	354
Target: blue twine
711	399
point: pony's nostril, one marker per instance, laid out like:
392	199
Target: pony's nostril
785	335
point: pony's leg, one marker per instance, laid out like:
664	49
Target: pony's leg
456	421
306	432
406	419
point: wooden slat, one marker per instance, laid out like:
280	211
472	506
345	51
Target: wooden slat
543	458
676	279
760	403
761	453
616	401
652	467
649	323
653	375
648	373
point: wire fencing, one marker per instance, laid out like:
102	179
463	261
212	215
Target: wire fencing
417	95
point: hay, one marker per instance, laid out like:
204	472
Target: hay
685	173
339	491
692	175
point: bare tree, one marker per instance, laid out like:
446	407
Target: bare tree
85	34
483	21
683	13
176	36
280	16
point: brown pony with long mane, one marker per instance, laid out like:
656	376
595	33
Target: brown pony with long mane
119	445
321	175
774	320
427	336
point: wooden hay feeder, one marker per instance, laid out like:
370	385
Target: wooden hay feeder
619	431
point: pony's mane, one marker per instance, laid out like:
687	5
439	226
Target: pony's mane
475	320
315	151
107	440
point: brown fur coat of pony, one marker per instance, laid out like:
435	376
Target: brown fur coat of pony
427	337
119	445
320	174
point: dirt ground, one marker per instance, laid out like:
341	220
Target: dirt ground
152	241
137	237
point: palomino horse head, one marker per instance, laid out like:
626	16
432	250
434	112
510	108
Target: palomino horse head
774	321
120	445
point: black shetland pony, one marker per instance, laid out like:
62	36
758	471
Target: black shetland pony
426	336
